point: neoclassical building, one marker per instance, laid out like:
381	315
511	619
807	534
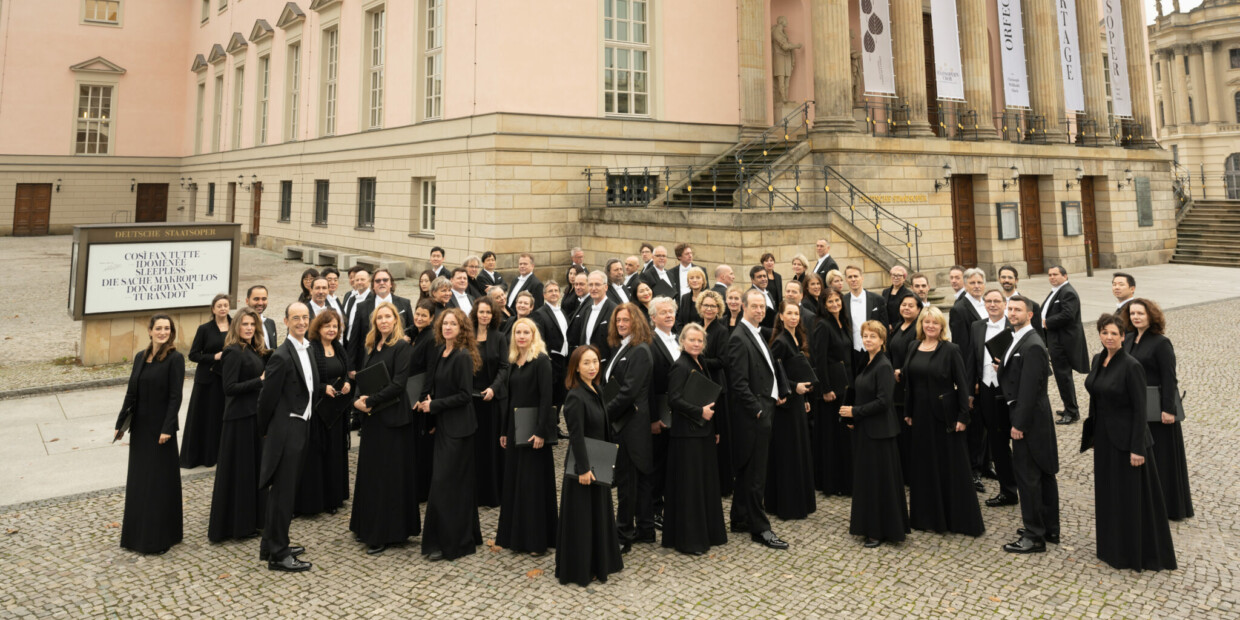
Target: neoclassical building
1195	60
974	132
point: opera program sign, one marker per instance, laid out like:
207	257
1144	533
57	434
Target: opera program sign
125	277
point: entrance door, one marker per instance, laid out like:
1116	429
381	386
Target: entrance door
932	84
963	220
256	190
1031	224
232	202
152	203
1089	218
32	209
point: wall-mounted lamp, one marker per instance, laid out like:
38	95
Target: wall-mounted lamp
1080	174
132	184
947	178
1127	182
57	186
1012	178
242	183
188	183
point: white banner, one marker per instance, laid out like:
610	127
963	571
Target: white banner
1070	57
1117	55
127	277
880	77
1012	53
948	72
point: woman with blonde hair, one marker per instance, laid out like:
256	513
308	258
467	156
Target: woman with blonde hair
714	359
236	502
527	513
800	268
686	312
835	280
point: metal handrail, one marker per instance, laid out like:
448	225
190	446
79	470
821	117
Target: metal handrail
783	125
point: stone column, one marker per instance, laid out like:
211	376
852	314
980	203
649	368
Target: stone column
753	39
833	87
909	48
975	56
1138	68
1045	72
1197	72
1169	91
1179	81
1093	72
1209	86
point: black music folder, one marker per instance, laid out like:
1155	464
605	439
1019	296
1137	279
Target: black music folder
602	457
799	370
664	409
701	391
837	374
1153	405
415	386
525	423
370	381
997	347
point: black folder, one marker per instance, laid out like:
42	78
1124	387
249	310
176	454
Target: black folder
602	457
664	409
1087	433
370	381
699	392
837	374
525	423
663	289
997	347
783	387
126	421
415	386
333	413
1153	405
799	370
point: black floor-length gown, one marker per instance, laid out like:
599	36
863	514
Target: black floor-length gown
423	342
1130	516
237	504
153	513
385	494
714	359
489	466
1157	358
324	481
941	493
204	420
452	525
586	547
902	338
693	509
878	507
790	474
527	513
832	441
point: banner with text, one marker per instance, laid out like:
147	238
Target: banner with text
948	72
876	60
1070	57
1117	56
1012	53
136	277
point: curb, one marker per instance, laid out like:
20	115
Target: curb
64	387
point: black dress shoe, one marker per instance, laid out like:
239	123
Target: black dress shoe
561	434
658	522
1002	499
871	543
1050	538
989	472
769	539
977	484
293	550
435	556
290	564
626	547
739	529
645	537
695	553
1068	419
1025	545
375	549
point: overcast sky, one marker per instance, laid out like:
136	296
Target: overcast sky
1185	6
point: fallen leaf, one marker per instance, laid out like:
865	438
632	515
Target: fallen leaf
114	524
995	599
11	531
53	440
224	575
661	569
496	548
490	542
537	572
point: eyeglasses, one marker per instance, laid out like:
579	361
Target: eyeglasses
382	280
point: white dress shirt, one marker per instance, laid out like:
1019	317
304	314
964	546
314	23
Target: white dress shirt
358	298
683	272
822	260
335	304
979	305
766	293
1049	298
1020	333
624	297
516	288
623	343
563	323
463	302
303	355
383	300
960	292
669	341
663	276
317	309
1120	305
594	310
262	325
757	334
856	311
989	376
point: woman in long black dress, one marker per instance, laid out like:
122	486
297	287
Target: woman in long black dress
1149	346
936	405
527	515
422	339
204	420
152	521
325	475
714	359
693	512
902	338
585	548
833	460
878	509
236	501
385	494
790	474
1130	517
488	385
452	527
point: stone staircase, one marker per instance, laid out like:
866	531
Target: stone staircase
716	185
1209	234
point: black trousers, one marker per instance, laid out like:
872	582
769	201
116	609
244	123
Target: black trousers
658	475
634	504
1061	367
283	489
976	438
994	412
750	489
1039	492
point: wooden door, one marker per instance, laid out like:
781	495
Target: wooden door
256	192
32	209
1031	224
232	202
152	203
1089	219
963	222
932	84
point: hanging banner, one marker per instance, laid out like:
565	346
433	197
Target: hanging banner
1070	57
948	72
876	63
1117	56
1012	53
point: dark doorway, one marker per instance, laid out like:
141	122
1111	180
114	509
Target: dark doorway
963	221
256	191
1031	224
152	203
1089	219
32	209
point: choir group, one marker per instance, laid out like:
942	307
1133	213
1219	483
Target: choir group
820	386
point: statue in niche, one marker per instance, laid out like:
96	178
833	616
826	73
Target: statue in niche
854	57
783	63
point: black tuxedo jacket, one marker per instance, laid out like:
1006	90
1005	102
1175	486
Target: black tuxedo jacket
615	297
662	369
569	303
492	280
750	382
361	325
875	309
549	328
630	409
602	322
651	277
722	289
535	288
1023	378
674	274
1065	336
272	333
284	392
961	318
976	355
827	266
442	271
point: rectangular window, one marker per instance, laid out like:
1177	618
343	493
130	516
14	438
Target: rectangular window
293	100
434	60
331	59
238	105
1106	80
1158	71
366	202
94	120
198	118
218	118
223	4
103	11
626	58
286	201
264	96
426	205
374	68
210	198
1186	70
1234	55
320	202
206	10
1192	118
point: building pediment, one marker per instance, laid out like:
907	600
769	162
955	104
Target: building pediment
98	64
260	31
290	15
200	63
237	43
217	54
319	5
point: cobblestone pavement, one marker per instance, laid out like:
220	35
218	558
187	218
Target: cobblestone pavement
60	558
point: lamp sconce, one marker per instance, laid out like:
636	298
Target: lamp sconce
947	178
242	183
1127	182
57	186
188	183
133	183
1012	178
1076	182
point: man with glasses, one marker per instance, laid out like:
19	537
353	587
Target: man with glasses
382	290
986	397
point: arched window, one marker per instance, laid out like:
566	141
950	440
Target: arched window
1231	176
